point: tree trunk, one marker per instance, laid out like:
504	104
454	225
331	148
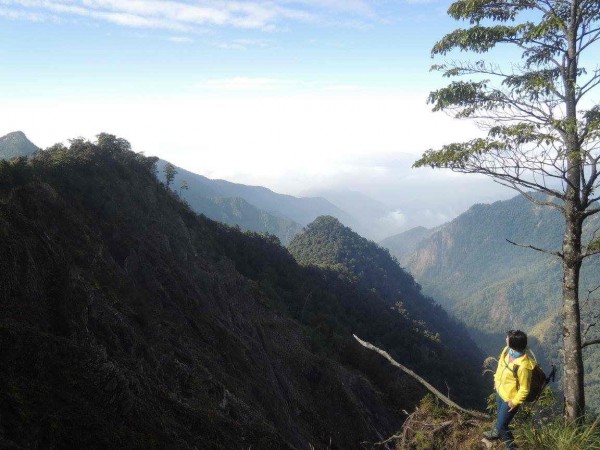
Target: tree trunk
571	332
573	354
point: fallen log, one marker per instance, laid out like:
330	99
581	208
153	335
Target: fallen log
429	387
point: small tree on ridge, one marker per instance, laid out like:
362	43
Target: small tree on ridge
170	172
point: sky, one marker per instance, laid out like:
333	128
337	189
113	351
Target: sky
300	96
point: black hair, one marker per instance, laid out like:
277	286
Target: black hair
517	340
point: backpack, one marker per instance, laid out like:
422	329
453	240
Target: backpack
539	380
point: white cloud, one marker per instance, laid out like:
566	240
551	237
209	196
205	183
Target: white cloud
234	135
183	15
289	143
242	44
19	14
245	84
181	39
342	88
278	84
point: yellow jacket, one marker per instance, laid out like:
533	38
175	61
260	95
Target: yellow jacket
505	382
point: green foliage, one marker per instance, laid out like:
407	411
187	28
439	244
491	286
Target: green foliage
434	426
558	435
594	246
536	426
237	211
546	142
551	38
16	171
419	322
327	242
234	204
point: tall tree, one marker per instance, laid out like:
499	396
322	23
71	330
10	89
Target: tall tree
170	172
543	133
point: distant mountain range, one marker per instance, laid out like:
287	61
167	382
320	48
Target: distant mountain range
470	268
16	144
254	208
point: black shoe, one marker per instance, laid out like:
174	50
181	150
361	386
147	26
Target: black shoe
491	435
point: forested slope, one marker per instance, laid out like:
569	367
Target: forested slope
127	321
328	244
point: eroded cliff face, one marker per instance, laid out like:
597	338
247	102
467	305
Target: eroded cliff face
431	255
123	325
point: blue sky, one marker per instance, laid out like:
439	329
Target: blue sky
298	96
128	47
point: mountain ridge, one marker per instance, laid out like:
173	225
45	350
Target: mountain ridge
302	210
254	208
328	243
15	144
128	321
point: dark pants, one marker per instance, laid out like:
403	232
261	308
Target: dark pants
503	420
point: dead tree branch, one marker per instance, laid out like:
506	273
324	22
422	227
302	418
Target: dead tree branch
559	254
429	387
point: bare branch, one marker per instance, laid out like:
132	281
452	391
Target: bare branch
591	212
588	254
587	87
429	387
591	325
513	185
590	342
558	254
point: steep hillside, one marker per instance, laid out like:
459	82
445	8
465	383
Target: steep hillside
127	321
297	209
329	244
16	144
473	271
403	244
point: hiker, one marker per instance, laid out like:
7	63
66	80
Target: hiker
511	386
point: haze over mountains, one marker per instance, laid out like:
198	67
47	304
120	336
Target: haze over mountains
466	265
254	208
375	215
